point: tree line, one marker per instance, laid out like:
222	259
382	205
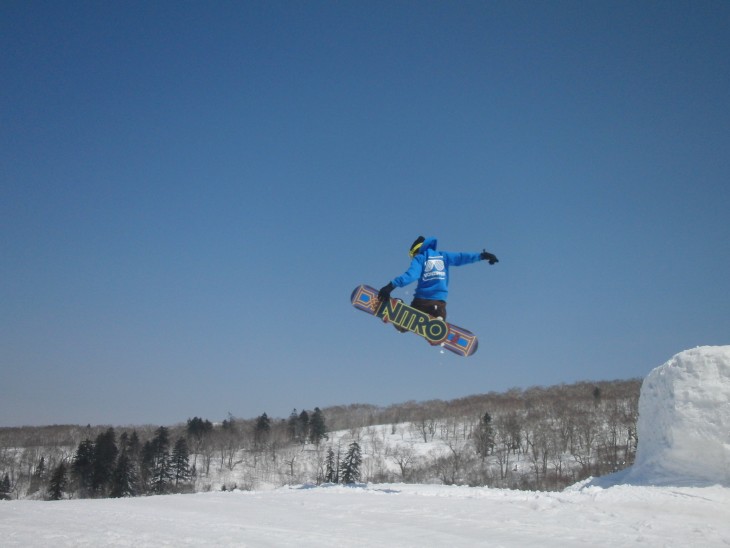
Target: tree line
536	438
107	465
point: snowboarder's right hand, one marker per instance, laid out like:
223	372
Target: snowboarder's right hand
385	291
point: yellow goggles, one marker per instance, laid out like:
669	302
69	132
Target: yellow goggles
414	250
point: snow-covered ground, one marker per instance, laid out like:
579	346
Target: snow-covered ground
381	515
684	446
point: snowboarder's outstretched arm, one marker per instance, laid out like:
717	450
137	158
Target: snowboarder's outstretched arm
459	259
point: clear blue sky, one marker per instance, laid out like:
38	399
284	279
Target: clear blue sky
189	192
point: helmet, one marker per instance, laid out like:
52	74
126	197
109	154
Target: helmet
415	246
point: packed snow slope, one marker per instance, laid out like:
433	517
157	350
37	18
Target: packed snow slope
684	429
381	515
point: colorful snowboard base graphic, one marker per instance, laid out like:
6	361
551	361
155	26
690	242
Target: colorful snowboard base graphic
434	330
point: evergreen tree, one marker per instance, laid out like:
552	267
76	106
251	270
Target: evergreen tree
105	458
180	463
124	478
147	466
41	470
484	436
5	488
198	428
198	431
229	424
262	429
350	466
82	468
317	429
38	477
303	426
292	425
330	473
161	469
134	447
58	483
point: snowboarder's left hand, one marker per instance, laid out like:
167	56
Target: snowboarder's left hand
487	256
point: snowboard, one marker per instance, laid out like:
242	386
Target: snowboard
436	331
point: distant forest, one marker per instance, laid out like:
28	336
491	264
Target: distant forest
538	438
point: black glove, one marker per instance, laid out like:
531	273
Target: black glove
385	291
487	256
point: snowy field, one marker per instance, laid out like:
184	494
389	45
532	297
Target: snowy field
381	515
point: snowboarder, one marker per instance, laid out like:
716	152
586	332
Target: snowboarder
431	268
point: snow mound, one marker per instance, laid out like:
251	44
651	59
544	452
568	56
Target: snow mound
684	423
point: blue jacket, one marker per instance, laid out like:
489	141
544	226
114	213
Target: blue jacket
431	269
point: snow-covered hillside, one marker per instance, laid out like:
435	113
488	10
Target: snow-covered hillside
683	445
